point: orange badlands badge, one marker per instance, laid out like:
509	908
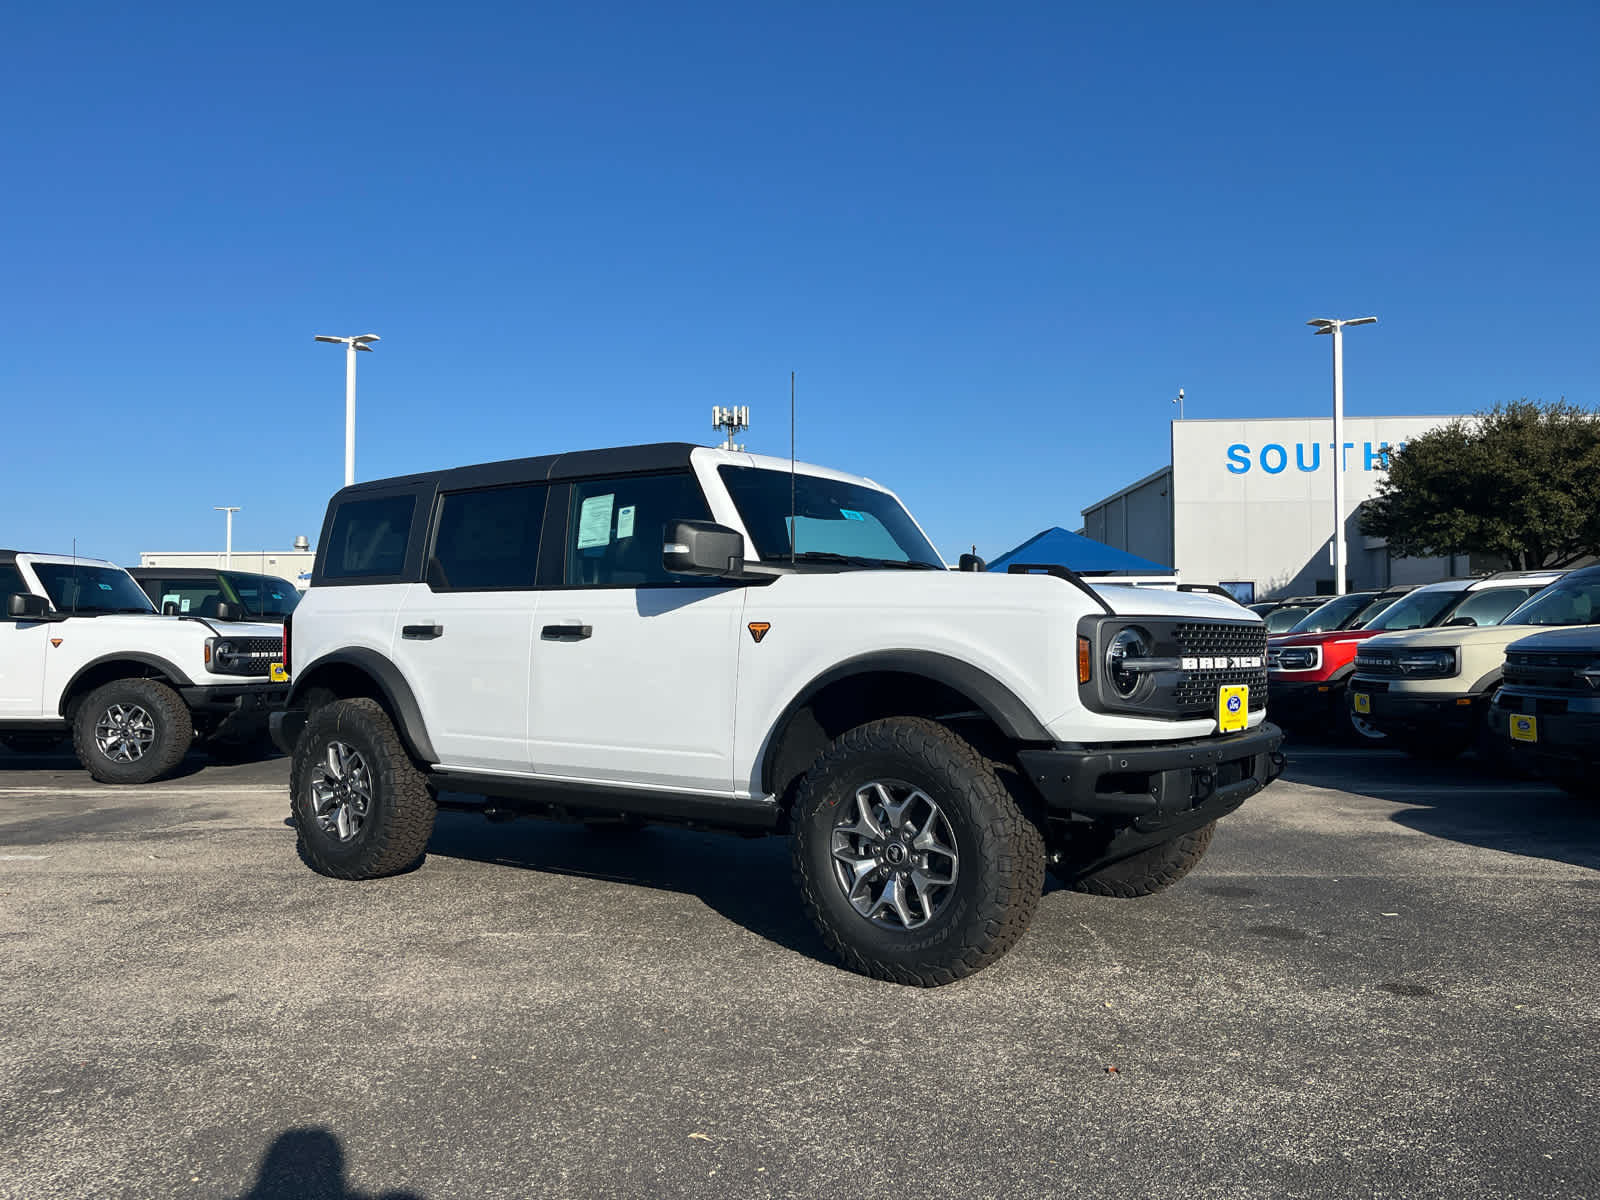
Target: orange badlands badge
758	629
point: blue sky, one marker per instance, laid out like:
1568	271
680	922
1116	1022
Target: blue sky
993	240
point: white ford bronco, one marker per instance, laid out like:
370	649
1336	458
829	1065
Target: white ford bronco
675	633
84	652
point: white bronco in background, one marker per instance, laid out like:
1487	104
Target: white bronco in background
83	651
674	633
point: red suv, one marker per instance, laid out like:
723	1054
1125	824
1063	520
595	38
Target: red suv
1309	667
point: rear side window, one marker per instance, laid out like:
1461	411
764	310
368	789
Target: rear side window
615	529
488	538
369	538
10	583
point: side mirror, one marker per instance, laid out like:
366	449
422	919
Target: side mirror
27	607
971	562
703	548
1460	621
227	612
170	609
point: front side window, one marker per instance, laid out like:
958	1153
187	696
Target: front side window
75	588
369	538
10	582
616	529
488	538
807	516
1574	600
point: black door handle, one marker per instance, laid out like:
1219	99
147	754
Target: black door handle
421	633
566	633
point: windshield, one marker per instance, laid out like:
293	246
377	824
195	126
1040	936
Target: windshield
262	595
831	518
1281	620
1333	614
1418	610
76	588
1574	600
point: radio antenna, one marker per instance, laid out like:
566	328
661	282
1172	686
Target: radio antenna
793	520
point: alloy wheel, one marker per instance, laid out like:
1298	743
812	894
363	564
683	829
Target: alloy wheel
125	732
341	791
894	854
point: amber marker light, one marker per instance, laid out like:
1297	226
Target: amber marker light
1083	660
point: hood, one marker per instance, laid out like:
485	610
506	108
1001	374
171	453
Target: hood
1279	640
1455	635
246	629
1128	600
1568	639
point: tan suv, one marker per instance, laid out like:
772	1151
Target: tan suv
1430	689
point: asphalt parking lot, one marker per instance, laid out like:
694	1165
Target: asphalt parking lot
1383	981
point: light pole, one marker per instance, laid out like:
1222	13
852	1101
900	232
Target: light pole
351	345
1178	400
230	509
1328	325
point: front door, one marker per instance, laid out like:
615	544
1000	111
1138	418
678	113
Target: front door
22	647
634	669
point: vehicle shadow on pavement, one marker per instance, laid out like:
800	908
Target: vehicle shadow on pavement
1468	800
66	762
747	881
308	1164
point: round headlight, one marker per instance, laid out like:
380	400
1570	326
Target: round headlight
1131	642
224	650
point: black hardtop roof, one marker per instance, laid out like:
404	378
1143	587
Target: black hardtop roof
572	464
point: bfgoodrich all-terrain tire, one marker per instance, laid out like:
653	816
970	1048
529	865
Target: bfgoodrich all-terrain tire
1145	873
360	806
131	731
912	856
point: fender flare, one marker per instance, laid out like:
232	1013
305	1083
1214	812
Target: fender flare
398	697
154	661
997	701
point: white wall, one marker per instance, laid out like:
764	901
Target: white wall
1253	500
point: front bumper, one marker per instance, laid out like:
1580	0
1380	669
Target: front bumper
1157	785
1418	715
1301	701
1568	729
235	698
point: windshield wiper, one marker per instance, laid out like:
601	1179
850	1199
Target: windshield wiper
857	560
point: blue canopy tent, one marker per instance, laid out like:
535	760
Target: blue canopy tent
1081	554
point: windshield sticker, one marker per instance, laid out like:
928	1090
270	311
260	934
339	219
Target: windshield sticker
850	514
624	522
105	587
594	521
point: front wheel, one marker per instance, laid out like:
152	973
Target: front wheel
360	806
131	731
912	856
1356	729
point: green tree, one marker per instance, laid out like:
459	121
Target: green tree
1521	482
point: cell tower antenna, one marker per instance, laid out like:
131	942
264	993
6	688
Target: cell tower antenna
734	420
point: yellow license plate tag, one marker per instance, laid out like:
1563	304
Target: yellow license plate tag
1361	701
1524	729
1233	708
277	673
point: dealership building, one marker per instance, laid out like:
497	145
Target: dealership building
1250	503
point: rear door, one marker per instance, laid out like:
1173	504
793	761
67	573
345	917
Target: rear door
22	650
465	635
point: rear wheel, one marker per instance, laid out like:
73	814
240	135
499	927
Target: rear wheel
912	856
1142	874
360	806
131	731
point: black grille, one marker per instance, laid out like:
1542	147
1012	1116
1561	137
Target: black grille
248	656
1196	689
1377	662
1556	672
